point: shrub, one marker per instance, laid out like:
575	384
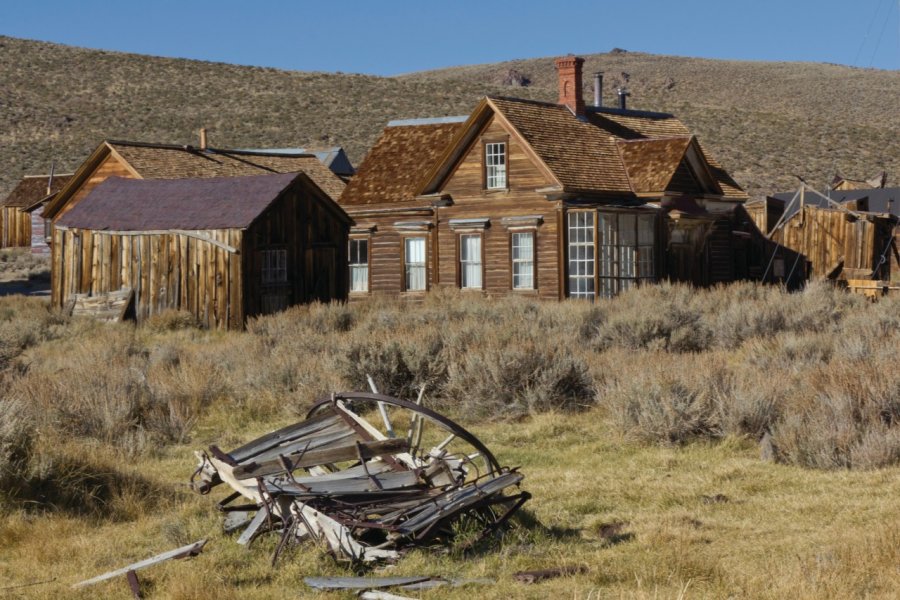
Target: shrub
509	374
17	434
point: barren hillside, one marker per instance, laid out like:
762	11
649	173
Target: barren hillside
764	121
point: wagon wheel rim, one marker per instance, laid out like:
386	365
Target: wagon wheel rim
426	415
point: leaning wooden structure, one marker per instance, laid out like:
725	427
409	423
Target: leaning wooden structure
841	239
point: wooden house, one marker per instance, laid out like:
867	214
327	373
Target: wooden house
549	200
848	233
21	221
162	161
223	248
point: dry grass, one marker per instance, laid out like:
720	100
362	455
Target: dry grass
638	437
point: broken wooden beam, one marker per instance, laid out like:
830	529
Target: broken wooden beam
183	552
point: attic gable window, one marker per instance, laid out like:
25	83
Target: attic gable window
495	165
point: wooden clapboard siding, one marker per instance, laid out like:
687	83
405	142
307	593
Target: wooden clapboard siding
466	182
111	166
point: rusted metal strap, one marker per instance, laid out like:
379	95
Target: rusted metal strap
133	583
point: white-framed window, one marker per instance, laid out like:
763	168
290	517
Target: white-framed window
470	261
414	264
359	265
522	256
495	165
623	249
274	265
581	254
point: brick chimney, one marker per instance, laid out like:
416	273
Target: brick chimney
570	85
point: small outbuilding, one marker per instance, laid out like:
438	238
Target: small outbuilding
21	223
222	248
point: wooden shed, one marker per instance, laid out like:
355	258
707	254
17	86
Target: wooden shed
21	225
223	248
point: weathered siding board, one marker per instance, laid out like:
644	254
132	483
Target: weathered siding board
148	260
829	237
15	228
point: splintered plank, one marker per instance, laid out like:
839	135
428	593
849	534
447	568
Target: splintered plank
311	458
183	552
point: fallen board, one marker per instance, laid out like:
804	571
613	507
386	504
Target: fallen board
183	552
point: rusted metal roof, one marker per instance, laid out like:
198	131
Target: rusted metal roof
121	204
33	188
396	164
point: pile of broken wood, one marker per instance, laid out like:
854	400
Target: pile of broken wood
343	477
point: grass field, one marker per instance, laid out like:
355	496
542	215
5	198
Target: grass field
636	423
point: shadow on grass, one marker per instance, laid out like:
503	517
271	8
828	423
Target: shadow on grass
76	487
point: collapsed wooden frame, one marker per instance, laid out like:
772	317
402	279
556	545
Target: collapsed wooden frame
368	495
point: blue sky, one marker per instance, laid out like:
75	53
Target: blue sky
389	37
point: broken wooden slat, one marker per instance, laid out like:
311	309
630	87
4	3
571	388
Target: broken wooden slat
252	529
360	583
311	458
236	519
183	552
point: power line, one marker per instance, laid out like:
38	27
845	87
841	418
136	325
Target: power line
868	31
887	18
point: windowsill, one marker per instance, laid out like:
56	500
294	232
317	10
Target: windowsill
359	293
525	292
492	191
413	292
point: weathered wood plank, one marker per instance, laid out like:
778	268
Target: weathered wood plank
183	552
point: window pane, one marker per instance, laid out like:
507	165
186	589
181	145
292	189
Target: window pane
470	261
581	254
495	165
523	260
646	228
359	265
415	264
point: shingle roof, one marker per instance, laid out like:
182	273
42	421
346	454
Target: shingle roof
396	164
581	156
33	188
123	204
585	154
156	161
651	164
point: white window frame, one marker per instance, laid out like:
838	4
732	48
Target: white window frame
619	253
495	172
273	266
420	283
524	274
359	269
581	255
471	267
